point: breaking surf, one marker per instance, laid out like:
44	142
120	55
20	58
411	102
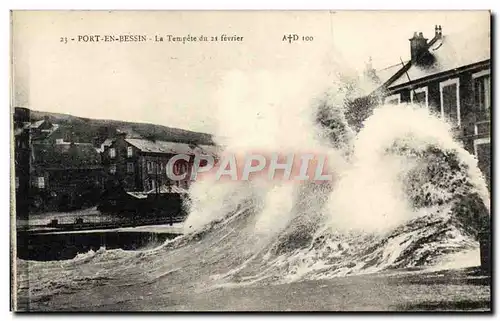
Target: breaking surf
405	194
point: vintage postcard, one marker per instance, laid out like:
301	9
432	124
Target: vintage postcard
251	161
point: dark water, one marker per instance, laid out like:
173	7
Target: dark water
64	246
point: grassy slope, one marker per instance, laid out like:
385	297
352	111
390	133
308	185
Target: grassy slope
95	131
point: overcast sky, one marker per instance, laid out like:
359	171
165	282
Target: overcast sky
173	84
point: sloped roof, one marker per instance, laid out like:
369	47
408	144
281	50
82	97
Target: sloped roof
36	124
208	150
107	142
450	52
44	133
158	146
164	189
173	189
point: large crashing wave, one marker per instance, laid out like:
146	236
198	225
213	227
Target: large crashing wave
405	193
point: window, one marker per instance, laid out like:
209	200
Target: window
150	167
450	101
393	99
130	167
129	151
153	184
482	150
420	96
112	153
482	96
41	182
112	168
180	167
482	127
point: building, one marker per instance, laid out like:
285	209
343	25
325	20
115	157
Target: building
140	165
65	176
42	131
51	174
450	75
57	169
21	158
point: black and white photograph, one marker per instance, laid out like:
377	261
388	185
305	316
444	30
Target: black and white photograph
250	161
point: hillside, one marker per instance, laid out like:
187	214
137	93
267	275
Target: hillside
79	129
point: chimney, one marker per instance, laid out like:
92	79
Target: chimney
438	31
418	47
